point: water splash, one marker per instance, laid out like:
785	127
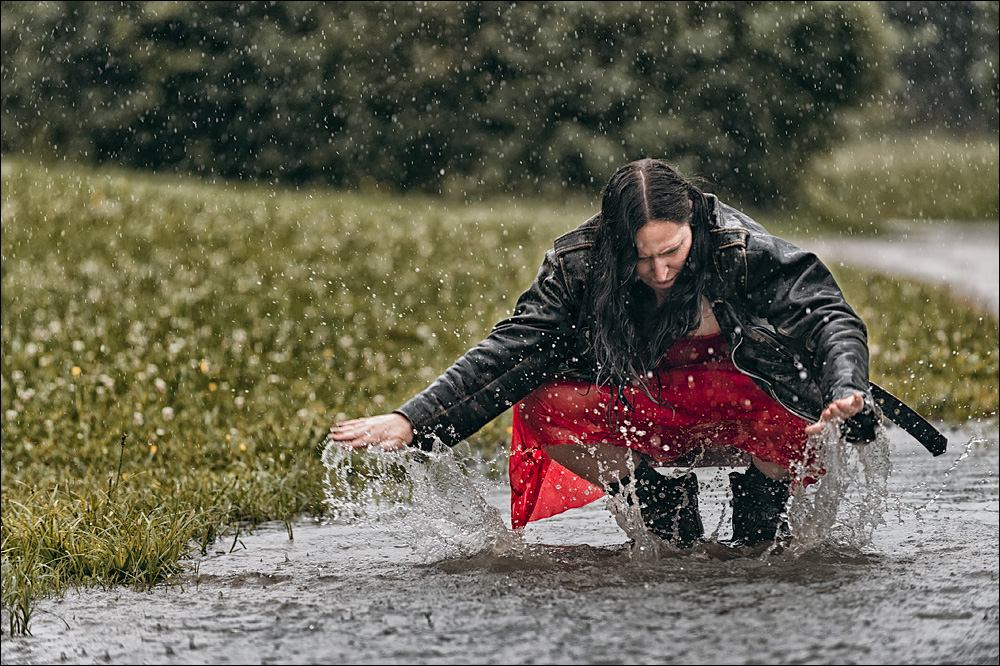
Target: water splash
434	504
644	546
427	500
944	479
849	498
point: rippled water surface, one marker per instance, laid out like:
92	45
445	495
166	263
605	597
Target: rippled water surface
905	571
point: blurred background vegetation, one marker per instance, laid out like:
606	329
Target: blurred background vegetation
479	98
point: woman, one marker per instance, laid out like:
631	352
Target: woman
666	325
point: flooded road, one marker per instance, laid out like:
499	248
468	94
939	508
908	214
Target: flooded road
442	580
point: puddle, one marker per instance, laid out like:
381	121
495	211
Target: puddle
448	582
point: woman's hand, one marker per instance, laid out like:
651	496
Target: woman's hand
391	432
841	408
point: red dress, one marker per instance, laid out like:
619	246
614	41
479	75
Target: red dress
705	402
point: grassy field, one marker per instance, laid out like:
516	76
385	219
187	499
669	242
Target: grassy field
174	351
866	182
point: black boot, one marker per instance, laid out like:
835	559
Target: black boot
758	504
668	506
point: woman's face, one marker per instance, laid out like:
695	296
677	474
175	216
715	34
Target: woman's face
663	247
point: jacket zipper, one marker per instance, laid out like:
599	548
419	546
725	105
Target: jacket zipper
770	388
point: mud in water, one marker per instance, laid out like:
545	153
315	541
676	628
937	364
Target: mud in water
904	569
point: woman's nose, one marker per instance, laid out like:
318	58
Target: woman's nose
662	268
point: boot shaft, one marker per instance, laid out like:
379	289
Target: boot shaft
758	507
668	506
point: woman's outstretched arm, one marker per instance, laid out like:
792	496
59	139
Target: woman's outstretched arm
512	361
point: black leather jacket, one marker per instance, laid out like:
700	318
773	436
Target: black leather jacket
783	315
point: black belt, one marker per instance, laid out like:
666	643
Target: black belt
903	415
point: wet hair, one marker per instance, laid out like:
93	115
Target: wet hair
627	345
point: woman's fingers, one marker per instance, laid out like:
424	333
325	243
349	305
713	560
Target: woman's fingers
840	409
390	432
849	406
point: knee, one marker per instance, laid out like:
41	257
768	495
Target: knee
556	400
769	469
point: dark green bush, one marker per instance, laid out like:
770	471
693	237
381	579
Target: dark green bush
475	95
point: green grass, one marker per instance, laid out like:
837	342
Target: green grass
174	351
933	351
867	182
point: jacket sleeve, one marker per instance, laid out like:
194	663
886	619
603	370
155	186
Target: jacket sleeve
515	359
795	292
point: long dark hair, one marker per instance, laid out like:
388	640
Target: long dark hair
638	193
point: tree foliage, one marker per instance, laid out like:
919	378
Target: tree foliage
947	58
483	96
